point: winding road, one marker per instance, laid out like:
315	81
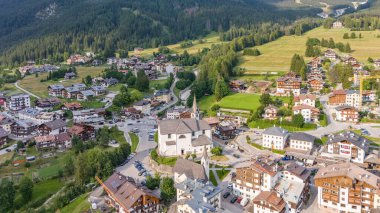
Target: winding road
26	91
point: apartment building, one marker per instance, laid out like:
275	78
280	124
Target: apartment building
275	138
345	97
268	202
346	187
301	141
18	102
287	85
261	175
346	113
309	113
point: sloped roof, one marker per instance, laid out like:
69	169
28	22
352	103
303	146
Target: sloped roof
271	198
3	133
190	169
351	137
201	141
55	124
300	136
277	131
348	170
182	126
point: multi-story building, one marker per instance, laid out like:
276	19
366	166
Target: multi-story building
346	187
23	129
261	175
353	98
178	113
305	99
54	127
56	90
309	113
316	84
287	85
83	131
338	97
270	112
348	145
268	202
163	96
3	137
346	113
275	138
194	196
301	141
125	195
143	106
18	102
88	115
330	54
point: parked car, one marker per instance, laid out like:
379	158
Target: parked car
236	155
225	195
8	150
141	172
233	200
239	199
244	202
230	185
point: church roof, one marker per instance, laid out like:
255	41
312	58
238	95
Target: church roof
182	126
190	169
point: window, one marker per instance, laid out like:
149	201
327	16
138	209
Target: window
182	136
203	131
170	136
193	134
342	205
354	207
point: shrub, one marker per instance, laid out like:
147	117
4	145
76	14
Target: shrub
217	151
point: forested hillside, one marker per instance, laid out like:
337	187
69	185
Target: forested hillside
53	29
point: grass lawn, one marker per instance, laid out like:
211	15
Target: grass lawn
157	83
118	136
80	204
213	179
170	161
134	140
222	173
10	89
258	77
220	158
209	40
6	156
240	101
262	124
34	84
276	55
45	189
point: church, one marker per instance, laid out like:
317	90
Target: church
184	136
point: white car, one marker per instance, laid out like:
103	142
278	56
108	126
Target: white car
230	185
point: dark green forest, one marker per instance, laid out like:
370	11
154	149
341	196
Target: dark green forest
106	26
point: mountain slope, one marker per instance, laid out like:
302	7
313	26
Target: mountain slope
32	29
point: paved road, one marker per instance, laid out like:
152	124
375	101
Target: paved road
171	103
26	91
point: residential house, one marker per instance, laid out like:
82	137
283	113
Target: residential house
337	25
225	130
72	106
330	54
85	95
163	96
237	85
183	136
125	195
18	102
287	85
261	175
315	62
293	192
78	59
83	131
305	99
61	141
270	112
350	60
5	123
98	90
70	75
348	145
23	129
309	113
88	115
109	82
316	84
301	141
47	103
346	187
39	117
194	196
178	112
338	97
133	113
56	90
143	106
3	137
346	113
353	98
54	127
369	96
70	92
268	202
275	138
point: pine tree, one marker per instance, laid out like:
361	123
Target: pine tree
346	36
309	51
347	48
